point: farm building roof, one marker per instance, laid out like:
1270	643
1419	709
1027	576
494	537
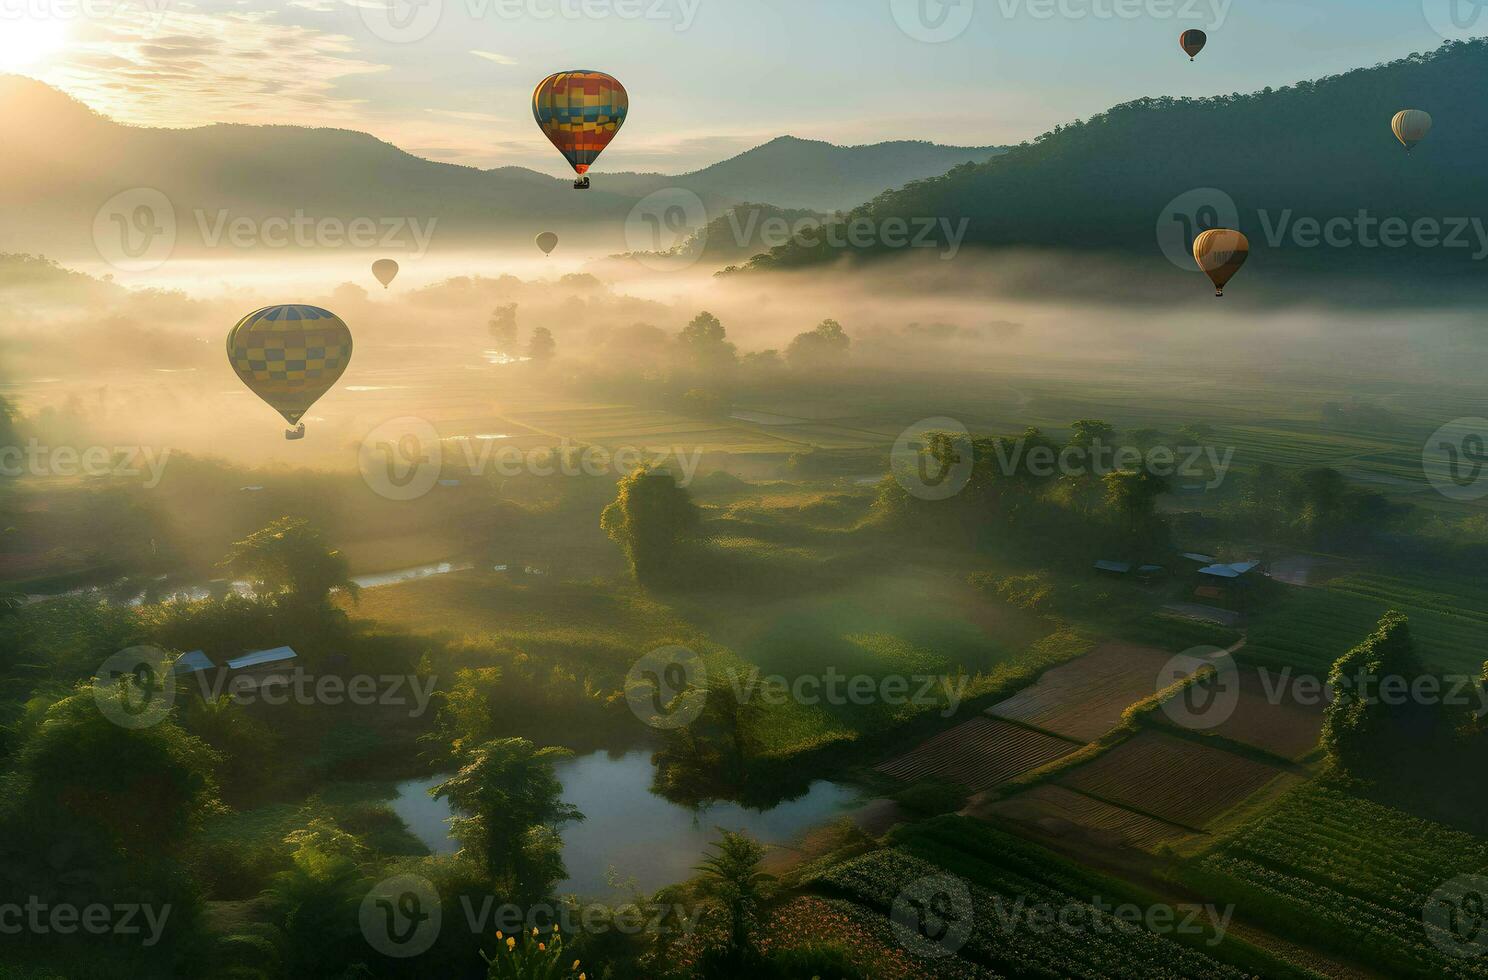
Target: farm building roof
1119	567
194	663
1235	570
1201	559
260	657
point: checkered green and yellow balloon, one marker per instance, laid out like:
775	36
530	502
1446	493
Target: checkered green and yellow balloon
290	355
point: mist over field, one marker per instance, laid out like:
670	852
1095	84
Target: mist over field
951	491
89	358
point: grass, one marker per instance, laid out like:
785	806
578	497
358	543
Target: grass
1311	628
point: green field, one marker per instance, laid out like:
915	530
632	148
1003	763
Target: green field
1327	868
1311	628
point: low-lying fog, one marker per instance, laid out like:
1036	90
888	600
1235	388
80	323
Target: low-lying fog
139	359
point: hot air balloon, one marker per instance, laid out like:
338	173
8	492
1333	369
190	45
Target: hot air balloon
580	112
1220	252
386	270
289	356
547	241
1411	127
1193	42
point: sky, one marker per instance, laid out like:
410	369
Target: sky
451	79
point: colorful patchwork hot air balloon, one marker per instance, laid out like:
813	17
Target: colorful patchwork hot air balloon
289	356
580	112
1411	126
1220	252
1193	42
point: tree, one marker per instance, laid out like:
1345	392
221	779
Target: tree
315	902
1367	729
731	877
1131	496
652	518
139	791
1085	433
824	347
509	805
290	560
542	346
705	347
503	327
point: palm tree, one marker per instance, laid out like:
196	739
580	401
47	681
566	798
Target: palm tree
731	876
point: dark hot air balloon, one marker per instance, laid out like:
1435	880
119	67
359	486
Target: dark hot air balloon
386	270
1193	42
547	241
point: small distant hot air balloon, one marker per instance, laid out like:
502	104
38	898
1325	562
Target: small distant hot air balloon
580	112
1411	127
1220	252
547	241
1193	42
289	356
386	270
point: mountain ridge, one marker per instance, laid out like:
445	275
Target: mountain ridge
52	189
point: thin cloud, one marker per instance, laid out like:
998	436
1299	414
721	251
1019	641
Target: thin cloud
292	67
500	59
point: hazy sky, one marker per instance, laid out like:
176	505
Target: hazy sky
451	79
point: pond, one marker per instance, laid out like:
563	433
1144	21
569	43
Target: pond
627	827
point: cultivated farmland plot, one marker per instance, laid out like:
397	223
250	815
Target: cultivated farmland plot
1058	811
1269	716
1172	778
1084	698
1004	879
1328	867
980	754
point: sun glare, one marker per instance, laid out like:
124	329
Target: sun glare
25	42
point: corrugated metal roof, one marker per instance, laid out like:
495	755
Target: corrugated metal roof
261	657
1235	570
194	663
1119	567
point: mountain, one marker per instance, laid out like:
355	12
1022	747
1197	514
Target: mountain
809	174
63	161
1294	167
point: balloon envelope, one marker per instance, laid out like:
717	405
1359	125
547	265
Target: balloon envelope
1220	252
386	270
1411	126
547	241
1193	42
580	112
289	355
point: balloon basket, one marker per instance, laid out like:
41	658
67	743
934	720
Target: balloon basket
298	432
582	184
